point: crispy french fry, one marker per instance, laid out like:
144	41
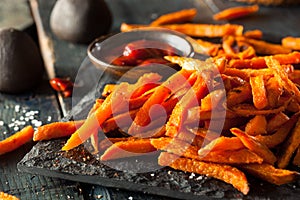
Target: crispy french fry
223	172
5	196
259	93
255	146
222	144
256	126
291	42
56	130
128	148
195	30
235	12
280	135
296	160
289	147
16	140
181	16
270	174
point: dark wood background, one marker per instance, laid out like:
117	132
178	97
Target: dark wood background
63	59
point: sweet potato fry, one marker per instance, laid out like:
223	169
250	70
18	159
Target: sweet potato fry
5	196
238	95
223	172
235	12
236	157
160	95
274	91
265	48
216	66
280	135
212	100
207	30
56	130
270	174
254	34
247	110
190	138
296	160
259	62
197	114
291	42
195	30
208	135
118	100
181	16
222	144
108	88
205	47
289	147
187	150
16	140
259	93
122	120
190	99
176	146
255	146
256	126
128	148
105	143
282	76
97	104
276	122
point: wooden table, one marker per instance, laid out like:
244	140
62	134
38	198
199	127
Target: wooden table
63	59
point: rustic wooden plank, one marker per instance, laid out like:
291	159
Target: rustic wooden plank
16	111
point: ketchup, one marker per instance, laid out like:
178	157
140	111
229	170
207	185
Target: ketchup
144	52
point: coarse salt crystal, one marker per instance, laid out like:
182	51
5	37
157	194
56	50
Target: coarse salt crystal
1	123
130	198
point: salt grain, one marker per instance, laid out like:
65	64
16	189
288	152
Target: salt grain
1	123
130	198
17	108
192	176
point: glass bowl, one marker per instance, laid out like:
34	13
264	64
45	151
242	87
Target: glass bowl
102	53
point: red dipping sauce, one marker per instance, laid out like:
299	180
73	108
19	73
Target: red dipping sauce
144	52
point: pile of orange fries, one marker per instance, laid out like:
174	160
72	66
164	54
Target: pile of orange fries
248	86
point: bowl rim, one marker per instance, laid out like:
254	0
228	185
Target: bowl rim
97	62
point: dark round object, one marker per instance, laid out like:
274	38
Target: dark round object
21	65
80	21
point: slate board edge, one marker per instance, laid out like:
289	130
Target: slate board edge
106	182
